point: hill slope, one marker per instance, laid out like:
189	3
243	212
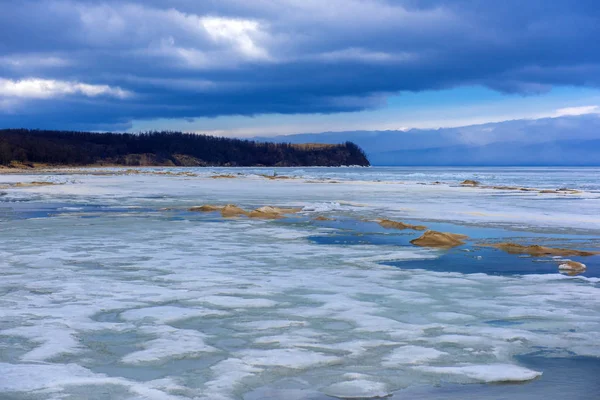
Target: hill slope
165	149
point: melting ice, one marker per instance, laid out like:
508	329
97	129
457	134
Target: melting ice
110	289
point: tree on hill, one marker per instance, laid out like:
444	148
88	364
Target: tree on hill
165	148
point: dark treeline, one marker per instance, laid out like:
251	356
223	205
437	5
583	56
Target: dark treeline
165	148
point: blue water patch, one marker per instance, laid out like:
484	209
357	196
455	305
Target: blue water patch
355	232
361	239
564	378
494	262
29	210
506	322
469	258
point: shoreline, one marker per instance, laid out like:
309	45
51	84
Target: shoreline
6	170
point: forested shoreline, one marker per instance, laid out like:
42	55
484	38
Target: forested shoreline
30	147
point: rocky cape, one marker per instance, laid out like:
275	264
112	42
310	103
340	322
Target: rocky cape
22	148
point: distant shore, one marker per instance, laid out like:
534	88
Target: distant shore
28	148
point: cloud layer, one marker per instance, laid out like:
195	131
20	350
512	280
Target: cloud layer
98	65
569	140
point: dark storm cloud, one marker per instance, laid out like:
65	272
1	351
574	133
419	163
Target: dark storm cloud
98	65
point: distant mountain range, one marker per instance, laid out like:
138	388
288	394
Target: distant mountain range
562	141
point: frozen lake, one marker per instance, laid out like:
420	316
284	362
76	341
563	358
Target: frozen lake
111	289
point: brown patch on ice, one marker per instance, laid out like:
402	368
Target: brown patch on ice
283	210
322	218
227	211
224	176
469	182
206	208
389	224
276	177
322	181
522	189
569	191
232	211
503	187
269	212
558	191
33	184
171	173
571	267
476	213
439	239
527	189
129	171
537	250
264	215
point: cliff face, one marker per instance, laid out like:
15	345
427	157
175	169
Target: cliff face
166	149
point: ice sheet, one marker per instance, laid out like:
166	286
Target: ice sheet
116	284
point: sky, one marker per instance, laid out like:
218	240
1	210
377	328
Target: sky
272	67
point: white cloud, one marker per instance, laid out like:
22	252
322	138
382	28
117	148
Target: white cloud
204	42
283	58
197	40
561	112
358	54
183	84
239	33
102	24
189	57
34	88
33	60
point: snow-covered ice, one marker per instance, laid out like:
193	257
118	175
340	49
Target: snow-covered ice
108	285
